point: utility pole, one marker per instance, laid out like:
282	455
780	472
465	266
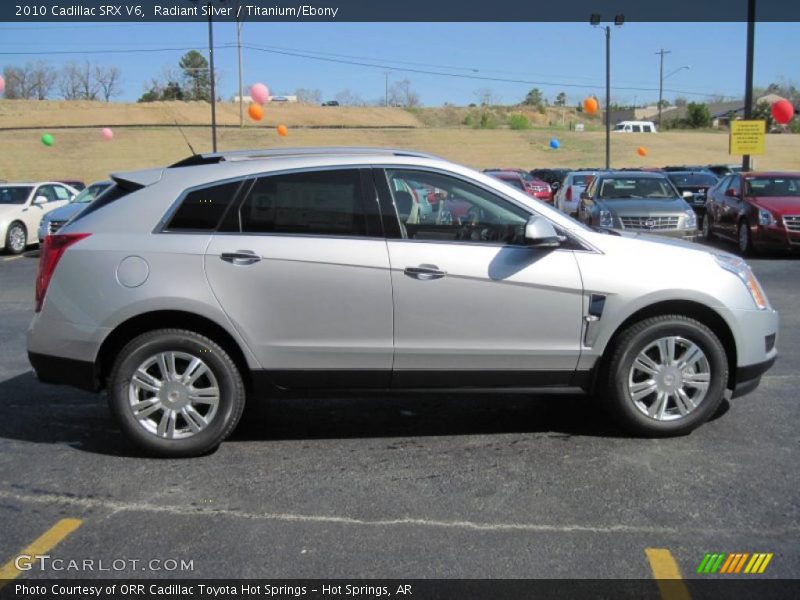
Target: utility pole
748	82
386	87
662	52
239	51
213	83
608	97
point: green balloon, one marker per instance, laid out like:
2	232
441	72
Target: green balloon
48	140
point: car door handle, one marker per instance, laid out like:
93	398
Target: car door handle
240	257
425	272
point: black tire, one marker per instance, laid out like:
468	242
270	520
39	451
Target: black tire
626	348
744	239
228	378
16	225
708	233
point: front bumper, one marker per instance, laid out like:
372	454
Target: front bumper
775	237
748	378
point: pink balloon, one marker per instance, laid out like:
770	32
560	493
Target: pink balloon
107	134
2	84
259	93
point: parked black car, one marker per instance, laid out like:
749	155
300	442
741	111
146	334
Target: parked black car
696	183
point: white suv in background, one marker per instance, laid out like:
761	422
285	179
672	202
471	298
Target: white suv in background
22	206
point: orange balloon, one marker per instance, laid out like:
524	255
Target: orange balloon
590	105
282	131
256	112
641	151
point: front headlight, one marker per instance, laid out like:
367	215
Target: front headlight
606	218
691	220
765	217
742	270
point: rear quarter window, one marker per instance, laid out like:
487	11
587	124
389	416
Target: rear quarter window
202	208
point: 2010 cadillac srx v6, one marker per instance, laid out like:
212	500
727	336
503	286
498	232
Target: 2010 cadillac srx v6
188	289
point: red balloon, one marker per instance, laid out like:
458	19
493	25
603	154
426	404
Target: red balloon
782	111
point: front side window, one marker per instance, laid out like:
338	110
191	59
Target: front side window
202	208
61	193
46	191
311	203
462	211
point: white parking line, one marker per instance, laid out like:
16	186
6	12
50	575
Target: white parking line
116	506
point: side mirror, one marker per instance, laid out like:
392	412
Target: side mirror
687	195
585	196
555	185
731	193
40	200
539	233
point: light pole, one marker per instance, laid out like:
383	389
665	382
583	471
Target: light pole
239	53
619	21
748	81
661	78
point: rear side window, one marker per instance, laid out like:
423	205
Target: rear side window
202	208
311	203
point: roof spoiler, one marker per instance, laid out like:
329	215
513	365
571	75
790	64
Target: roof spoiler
134	180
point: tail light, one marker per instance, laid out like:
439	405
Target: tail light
52	250
568	194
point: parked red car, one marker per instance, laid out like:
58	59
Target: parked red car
760	211
529	184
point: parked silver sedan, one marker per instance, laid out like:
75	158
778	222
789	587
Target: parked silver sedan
185	291
637	201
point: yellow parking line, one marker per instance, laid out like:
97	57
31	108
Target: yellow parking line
45	542
667	574
12	258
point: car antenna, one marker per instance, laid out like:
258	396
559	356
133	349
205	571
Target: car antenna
185	139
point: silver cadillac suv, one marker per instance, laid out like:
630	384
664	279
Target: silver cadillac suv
186	290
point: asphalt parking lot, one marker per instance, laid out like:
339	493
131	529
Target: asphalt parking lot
424	486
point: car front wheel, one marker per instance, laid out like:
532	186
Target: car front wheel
707	230
745	240
666	376
176	393
16	238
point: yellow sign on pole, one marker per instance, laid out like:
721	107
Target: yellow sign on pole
747	137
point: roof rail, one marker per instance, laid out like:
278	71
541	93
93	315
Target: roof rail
211	158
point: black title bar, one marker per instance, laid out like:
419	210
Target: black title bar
387	10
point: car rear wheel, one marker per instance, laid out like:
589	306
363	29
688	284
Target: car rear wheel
745	240
176	393
666	376
16	238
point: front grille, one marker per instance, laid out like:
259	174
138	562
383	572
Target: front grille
650	223
54	226
792	222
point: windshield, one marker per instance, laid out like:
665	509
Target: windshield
90	193
14	194
636	187
619	128
772	186
691	179
581	179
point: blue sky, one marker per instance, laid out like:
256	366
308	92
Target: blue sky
561	53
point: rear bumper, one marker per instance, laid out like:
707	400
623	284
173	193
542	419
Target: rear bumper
65	371
749	377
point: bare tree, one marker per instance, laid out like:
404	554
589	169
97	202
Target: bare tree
69	81
486	96
109	80
18	83
349	98
43	79
308	95
401	94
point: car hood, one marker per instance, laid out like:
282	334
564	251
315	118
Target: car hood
783	205
66	212
6	210
644	207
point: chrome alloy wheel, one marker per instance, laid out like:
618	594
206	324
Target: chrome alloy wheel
16	239
669	378
174	395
